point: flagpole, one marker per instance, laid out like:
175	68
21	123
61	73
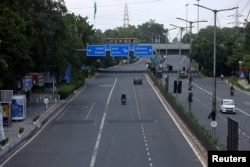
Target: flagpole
95	9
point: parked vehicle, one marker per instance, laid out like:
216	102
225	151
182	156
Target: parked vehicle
183	74
161	66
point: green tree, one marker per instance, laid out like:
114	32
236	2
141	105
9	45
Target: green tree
228	41
15	53
247	38
80	33
150	31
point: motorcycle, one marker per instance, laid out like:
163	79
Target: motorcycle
123	101
232	92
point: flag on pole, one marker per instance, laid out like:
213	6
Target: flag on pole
95	9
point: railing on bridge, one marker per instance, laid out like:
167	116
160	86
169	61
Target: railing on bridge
171	48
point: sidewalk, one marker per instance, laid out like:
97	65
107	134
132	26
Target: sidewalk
34	107
244	83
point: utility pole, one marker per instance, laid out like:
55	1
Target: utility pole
236	17
126	17
213	113
190	55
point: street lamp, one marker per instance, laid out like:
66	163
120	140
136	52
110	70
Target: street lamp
198	17
213	113
190	50
186	13
190	35
180	47
166	35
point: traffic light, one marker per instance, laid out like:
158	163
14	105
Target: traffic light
177	86
213	115
167	82
190	95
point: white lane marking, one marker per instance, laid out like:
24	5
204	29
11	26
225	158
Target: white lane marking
136	102
243	112
90	110
178	126
143	130
204	90
93	158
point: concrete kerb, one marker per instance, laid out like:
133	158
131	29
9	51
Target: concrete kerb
15	144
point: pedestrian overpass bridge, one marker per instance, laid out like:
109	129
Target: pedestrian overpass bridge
170	48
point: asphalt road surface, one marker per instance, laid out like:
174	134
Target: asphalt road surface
95	130
202	103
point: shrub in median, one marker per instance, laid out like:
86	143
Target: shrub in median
68	89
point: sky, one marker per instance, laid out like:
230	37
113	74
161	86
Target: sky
110	13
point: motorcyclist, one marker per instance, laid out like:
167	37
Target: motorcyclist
232	88
123	95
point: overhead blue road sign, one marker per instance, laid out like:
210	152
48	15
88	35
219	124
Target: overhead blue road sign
96	50
107	46
143	50
119	50
131	46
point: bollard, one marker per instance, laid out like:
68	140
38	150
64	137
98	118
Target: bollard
37	100
55	100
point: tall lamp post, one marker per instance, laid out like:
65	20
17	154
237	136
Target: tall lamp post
180	47
190	50
186	14
190	35
198	17
166	35
213	113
